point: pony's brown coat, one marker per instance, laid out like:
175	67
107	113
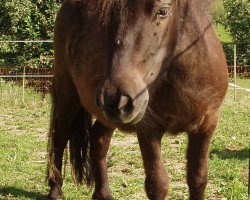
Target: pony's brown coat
183	91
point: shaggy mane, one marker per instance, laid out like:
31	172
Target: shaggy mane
103	9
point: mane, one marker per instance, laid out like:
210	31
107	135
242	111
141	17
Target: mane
103	9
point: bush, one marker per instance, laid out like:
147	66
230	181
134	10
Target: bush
237	21
218	12
27	20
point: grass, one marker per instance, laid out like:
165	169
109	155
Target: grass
245	83
223	34
24	126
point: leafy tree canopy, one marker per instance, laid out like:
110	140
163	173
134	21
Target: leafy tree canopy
237	21
27	20
34	20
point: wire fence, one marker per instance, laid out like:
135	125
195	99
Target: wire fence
22	77
242	72
26	81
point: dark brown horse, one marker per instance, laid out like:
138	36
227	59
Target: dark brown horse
144	66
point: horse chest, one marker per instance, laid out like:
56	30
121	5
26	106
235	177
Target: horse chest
175	110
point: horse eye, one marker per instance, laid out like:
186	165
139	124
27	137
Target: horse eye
163	13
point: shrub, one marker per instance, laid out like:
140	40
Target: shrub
237	21
218	12
27	20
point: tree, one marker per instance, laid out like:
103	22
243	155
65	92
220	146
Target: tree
237	21
218	11
27	20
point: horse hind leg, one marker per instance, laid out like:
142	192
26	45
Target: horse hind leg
197	157
64	109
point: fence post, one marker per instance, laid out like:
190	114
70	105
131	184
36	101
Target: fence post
235	72
23	82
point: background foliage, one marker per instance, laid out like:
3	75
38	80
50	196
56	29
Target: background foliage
27	20
34	20
237	21
218	11
234	16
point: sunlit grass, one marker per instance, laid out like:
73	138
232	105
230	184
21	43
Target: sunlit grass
245	83
223	34
23	130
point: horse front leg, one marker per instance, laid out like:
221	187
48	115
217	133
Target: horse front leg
99	144
197	159
156	182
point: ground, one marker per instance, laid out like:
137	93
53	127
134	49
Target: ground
23	136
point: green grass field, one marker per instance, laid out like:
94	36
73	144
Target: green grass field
245	83
224	35
23	132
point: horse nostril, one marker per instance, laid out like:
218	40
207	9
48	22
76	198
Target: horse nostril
126	104
114	104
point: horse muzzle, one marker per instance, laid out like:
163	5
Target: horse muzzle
121	106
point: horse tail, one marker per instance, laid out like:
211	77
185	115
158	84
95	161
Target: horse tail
79	143
52	172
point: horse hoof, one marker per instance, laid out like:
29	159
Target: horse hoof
102	197
54	198
55	193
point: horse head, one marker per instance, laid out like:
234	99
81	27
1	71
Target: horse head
142	38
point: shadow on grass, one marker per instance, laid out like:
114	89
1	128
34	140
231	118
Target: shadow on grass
12	192
241	154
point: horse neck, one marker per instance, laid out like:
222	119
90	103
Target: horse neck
194	25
